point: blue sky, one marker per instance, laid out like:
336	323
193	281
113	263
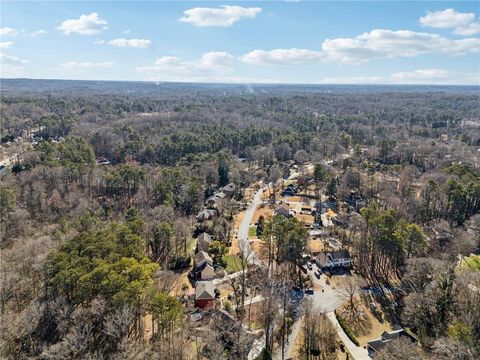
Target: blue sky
285	42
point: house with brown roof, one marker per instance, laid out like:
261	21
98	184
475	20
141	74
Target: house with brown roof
203	242
203	268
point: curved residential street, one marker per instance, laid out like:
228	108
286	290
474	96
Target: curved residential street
243	240
326	299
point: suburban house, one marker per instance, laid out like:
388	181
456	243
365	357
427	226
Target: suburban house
397	332
215	199
334	260
283	210
290	190
229	190
203	268
205	214
205	295
203	242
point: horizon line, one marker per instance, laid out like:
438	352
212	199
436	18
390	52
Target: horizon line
241	83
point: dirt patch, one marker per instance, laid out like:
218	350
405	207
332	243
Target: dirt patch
234	248
257	246
296	199
182	283
315	245
306	219
147	327
295	352
265	211
367	326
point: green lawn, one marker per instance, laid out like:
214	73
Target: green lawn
471	262
234	263
191	246
252	231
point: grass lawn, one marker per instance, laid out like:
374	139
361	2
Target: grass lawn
471	262
191	245
234	263
252	231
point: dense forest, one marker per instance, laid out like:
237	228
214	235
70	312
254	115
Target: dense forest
102	185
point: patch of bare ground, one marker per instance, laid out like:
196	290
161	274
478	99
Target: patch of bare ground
315	245
235	248
262	210
366	324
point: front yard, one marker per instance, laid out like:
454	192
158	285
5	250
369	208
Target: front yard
234	263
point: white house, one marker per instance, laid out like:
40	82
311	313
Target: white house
331	260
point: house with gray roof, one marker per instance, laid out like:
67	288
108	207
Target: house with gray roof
203	242
205	214
374	346
205	294
334	260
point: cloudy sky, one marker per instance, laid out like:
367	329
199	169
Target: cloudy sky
273	42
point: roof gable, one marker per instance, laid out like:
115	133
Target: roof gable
204	290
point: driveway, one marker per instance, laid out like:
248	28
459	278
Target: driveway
326	300
357	352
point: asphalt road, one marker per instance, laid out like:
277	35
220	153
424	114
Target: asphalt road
243	240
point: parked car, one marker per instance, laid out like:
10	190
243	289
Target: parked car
309	265
309	291
317	274
196	317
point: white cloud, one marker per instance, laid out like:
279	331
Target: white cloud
380	43
282	57
470	29
445	19
5	44
376	44
225	16
38	32
462	23
353	80
435	76
416	77
4	31
12	60
211	66
90	24
11	66
75	65
123	43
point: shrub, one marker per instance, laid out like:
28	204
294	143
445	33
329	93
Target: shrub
347	329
